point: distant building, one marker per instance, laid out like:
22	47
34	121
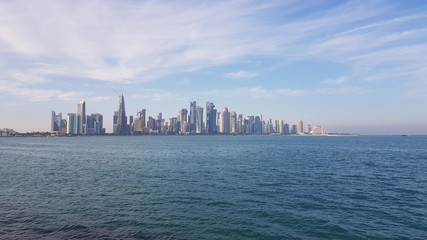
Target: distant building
319	130
210	118
225	121
281	127
199	120
257	125
233	122
56	122
81	117
139	121
122	126
183	119
308	129
240	124
300	127
192	117
286	129
173	125
71	123
95	124
294	129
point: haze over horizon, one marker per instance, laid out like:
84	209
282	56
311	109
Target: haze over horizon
351	66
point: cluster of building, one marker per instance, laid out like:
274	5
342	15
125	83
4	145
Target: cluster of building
192	121
7	132
216	122
78	123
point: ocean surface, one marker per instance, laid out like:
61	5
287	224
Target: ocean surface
213	187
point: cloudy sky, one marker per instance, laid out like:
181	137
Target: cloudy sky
351	66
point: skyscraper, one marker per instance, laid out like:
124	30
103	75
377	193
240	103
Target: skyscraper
210	118
56	121
122	127
139	121
95	124
233	122
258	125
183	115
225	121
81	117
199	119
294	129
300	127
240	124
281	127
71	123
192	117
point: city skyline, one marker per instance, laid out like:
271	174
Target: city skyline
184	122
352	66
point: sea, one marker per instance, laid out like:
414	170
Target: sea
213	187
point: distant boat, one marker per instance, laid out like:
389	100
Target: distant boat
404	135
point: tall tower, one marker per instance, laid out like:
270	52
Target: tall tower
192	120
81	117
225	121
199	119
300	128
210	118
121	127
56	122
71	123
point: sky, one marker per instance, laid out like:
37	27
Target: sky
350	66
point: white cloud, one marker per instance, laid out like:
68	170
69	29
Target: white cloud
241	75
335	81
37	95
154	95
261	92
140	41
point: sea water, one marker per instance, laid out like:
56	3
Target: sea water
213	187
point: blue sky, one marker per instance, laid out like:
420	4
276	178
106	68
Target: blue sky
351	66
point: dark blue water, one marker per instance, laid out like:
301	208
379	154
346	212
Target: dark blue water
213	187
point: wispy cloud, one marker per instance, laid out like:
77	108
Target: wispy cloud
37	95
261	92
140	41
154	95
335	81
241	75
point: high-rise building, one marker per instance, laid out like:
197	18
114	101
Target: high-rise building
294	129
56	122
300	127
319	130
71	123
224	121
139	121
95	124
233	122
183	120
308	129
281	127
151	123
240	124
286	128
210	118
199	119
159	123
192	117
173	125
257	125
81	117
121	126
